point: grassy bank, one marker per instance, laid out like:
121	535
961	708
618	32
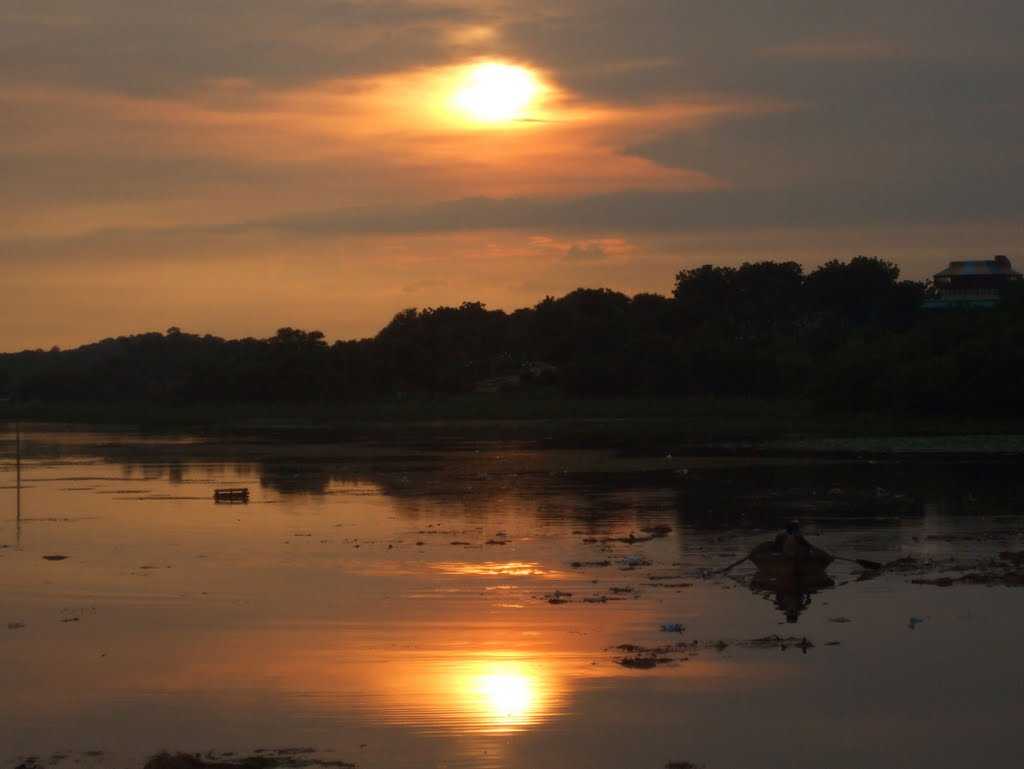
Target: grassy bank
621	422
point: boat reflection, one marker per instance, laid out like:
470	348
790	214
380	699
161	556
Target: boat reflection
790	593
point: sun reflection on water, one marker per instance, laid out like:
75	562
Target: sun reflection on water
502	695
489	693
493	569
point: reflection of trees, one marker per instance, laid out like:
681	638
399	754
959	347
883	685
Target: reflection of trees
765	497
295	478
468	486
476	480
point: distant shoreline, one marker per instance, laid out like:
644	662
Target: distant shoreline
642	425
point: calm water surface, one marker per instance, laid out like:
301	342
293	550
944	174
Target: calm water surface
393	606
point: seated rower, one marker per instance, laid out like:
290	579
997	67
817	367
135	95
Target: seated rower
791	543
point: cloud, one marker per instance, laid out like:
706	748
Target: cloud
233	152
155	49
607	250
944	197
856	50
902	140
586	252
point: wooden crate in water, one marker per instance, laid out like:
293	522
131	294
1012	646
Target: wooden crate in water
231	495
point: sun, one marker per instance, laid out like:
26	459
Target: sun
492	92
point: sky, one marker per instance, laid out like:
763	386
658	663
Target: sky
235	166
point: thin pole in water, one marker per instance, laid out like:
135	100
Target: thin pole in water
17	482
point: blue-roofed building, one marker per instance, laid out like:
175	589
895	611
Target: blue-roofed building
976	284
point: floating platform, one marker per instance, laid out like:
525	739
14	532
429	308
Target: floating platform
234	496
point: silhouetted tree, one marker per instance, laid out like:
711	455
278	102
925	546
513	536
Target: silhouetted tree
847	335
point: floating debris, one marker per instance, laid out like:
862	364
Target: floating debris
773	641
937	582
644	663
55	557
231	496
633	562
1016	558
630	539
288	758
683	650
992	578
558	597
672	584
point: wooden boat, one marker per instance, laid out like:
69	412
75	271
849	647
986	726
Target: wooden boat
812	561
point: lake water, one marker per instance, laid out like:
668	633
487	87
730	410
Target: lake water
462	604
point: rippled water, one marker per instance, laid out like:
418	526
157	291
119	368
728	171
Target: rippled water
461	605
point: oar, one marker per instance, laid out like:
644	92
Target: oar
873	565
730	567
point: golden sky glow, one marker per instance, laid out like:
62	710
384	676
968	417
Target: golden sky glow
155	159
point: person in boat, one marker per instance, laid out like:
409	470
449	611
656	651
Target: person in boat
789	554
791	543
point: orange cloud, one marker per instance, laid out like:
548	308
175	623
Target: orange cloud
381	140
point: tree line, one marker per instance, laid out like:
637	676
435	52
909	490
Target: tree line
846	335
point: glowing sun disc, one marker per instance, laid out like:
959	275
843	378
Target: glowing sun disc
494	92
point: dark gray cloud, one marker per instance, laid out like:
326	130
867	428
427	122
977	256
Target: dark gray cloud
902	90
151	48
70	178
893	112
945	196
897	139
600	46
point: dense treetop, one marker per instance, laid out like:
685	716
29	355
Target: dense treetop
847	335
